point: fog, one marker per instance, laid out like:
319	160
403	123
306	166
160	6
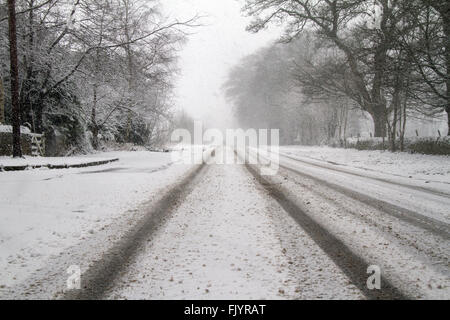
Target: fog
210	53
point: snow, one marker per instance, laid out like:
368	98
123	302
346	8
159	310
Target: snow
46	161
8	129
229	240
414	260
428	197
44	212
411	166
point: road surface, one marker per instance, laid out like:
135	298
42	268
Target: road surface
312	231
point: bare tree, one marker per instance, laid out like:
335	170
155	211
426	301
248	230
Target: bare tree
341	23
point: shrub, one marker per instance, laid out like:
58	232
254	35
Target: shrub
428	145
437	146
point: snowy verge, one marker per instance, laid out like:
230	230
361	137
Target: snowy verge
411	166
10	164
45	212
57	166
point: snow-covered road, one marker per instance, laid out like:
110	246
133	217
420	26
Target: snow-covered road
400	225
229	240
430	199
309	232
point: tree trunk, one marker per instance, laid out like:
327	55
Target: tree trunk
39	127
447	56
379	120
94	120
95	132
17	148
404	116
378	104
446	18
393	134
2	101
131	79
27	83
448	119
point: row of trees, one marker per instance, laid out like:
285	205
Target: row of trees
388	58
267	93
90	68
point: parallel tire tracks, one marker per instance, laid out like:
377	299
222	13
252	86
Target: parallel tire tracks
437	227
350	263
418	188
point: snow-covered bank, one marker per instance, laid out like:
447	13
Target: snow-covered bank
413	166
43	212
29	161
52	163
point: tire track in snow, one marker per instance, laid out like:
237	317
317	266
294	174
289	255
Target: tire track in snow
230	240
437	227
351	264
101	276
341	170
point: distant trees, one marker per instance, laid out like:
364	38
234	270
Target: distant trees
267	92
99	67
371	52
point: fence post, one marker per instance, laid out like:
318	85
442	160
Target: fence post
37	145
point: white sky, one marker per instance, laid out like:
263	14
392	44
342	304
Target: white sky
210	53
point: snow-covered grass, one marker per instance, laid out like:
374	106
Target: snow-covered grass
420	145
414	166
43	212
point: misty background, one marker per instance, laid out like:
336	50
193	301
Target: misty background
210	53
